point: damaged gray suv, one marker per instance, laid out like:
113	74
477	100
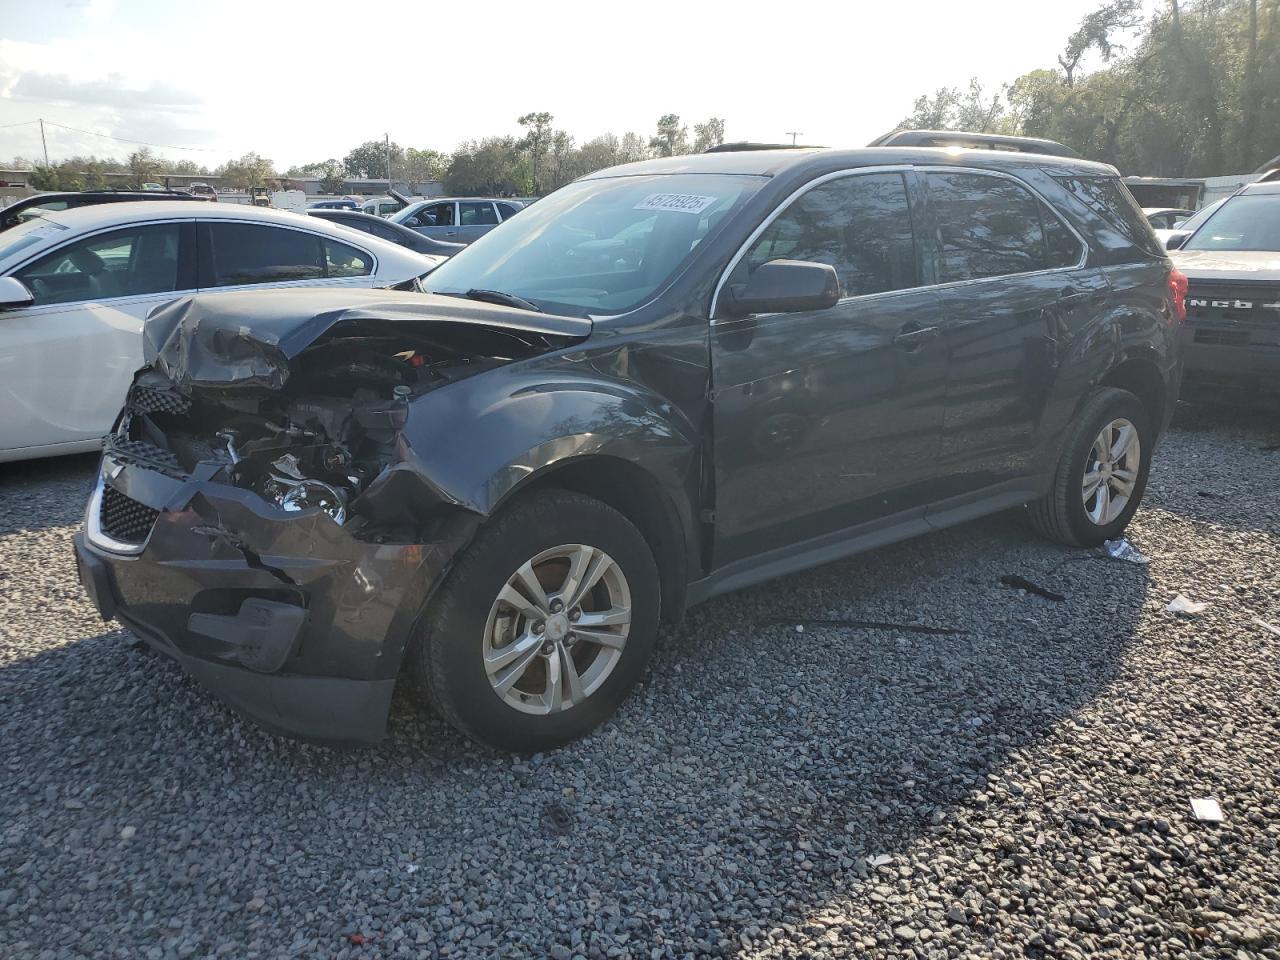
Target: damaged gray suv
663	382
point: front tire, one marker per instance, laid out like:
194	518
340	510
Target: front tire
1102	473
543	626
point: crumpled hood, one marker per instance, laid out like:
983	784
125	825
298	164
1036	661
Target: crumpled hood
1248	265
246	339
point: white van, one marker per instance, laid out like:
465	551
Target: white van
381	206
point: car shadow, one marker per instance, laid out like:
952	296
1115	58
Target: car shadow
45	493
754	757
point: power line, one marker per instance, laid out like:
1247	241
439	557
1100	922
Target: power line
20	123
107	136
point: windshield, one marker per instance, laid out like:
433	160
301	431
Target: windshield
1203	214
597	246
1250	221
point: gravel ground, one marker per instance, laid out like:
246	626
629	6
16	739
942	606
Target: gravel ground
1019	789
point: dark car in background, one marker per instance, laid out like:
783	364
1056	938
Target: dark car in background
1232	264
29	207
456	219
662	382
384	228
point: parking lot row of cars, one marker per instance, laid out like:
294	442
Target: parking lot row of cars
661	383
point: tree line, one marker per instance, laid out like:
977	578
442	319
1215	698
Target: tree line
1191	91
539	160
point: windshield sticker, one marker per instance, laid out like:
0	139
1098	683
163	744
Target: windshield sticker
678	202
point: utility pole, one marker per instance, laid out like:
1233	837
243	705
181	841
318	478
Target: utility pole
793	134
388	136
44	142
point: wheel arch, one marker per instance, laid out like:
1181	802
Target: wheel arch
1141	376
637	495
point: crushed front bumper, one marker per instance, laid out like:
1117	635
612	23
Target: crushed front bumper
285	616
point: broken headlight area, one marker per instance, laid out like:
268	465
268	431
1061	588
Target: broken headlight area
329	439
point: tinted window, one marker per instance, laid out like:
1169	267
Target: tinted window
341	260
385	231
476	214
122	263
252	253
1062	247
508	210
1250	221
991	226
1128	235
861	225
355	223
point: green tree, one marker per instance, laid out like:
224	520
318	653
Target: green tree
423	165
370	159
494	165
708	134
672	138
144	167
333	178
1194	92
632	147
251	170
951	108
1097	31
536	141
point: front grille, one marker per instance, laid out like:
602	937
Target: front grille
1245	314
1223	338
143	453
146	399
123	518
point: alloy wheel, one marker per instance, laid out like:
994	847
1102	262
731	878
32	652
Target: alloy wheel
557	629
1111	471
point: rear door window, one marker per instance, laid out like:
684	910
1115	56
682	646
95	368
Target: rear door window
991	226
476	213
343	260
123	263
860	224
243	253
508	210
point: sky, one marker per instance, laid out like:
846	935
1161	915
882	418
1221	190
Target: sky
303	81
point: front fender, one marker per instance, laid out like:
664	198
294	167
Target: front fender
482	439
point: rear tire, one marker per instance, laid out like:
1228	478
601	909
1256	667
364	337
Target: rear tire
509	655
1077	515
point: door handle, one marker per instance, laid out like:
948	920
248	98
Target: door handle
912	336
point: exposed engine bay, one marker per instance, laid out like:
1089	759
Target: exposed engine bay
329	437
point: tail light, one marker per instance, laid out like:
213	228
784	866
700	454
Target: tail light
1178	290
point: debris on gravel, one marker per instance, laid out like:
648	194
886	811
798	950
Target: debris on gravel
937	766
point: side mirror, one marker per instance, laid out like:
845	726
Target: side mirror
14	293
785	286
1175	241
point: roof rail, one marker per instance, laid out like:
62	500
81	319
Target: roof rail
984	141
747	145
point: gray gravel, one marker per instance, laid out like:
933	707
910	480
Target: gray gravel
1021	789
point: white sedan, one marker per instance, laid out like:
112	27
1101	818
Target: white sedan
76	286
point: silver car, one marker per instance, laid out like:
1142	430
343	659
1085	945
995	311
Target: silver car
456	219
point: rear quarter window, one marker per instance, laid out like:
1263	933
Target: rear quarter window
1121	228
